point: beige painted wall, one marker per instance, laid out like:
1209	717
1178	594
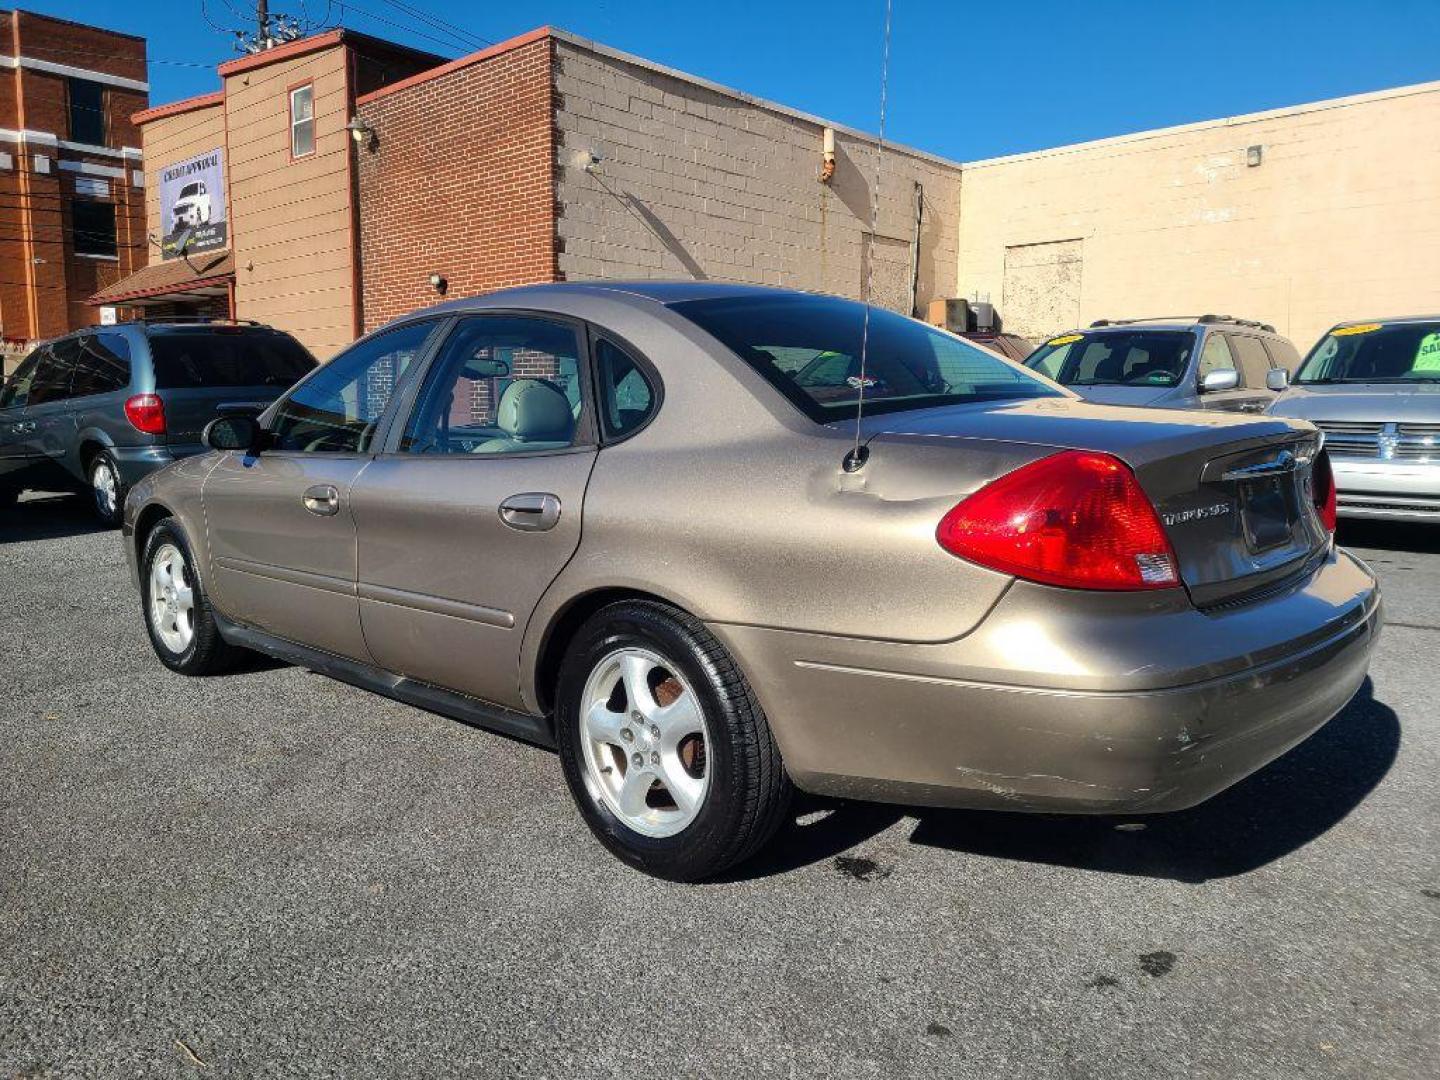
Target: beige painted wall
698	182
291	220
1341	220
170	140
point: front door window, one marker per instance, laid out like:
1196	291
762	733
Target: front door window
337	410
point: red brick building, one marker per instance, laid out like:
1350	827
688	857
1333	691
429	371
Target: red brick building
72	199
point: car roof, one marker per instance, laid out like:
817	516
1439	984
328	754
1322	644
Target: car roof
663	292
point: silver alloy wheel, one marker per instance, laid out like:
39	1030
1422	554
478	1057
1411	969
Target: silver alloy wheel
646	761
104	486
172	599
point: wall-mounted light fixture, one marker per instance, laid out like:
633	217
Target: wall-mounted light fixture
438	283
827	156
1254	155
361	132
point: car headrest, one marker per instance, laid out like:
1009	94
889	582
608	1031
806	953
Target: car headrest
534	410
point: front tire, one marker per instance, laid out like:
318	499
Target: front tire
664	745
177	612
107	490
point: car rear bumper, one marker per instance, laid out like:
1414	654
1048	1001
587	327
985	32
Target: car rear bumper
1393	491
1063	709
137	462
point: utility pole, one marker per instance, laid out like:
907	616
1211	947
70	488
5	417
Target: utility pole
262	18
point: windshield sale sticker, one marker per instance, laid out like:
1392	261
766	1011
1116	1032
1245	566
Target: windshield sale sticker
1363	328
1065	340
1427	357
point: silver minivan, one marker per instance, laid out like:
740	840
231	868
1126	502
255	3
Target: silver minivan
1373	387
1210	362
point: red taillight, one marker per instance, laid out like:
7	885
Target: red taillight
146	412
1077	519
1322	489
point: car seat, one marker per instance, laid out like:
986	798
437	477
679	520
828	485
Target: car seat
534	415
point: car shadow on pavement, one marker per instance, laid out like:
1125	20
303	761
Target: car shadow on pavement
48	516
1284	806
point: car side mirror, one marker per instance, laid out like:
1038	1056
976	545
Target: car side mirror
1277	379
1220	379
235	432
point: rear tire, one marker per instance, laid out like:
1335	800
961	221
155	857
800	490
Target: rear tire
107	490
665	747
177	611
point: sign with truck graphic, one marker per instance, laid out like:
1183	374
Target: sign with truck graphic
192	205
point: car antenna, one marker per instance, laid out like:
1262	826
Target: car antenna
855	459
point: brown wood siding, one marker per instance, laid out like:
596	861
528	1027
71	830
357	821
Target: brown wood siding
290	219
170	140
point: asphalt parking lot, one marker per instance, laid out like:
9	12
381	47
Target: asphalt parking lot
272	874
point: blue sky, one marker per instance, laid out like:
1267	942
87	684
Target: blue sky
968	80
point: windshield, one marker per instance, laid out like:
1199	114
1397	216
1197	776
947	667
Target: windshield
1375	352
808	348
1115	358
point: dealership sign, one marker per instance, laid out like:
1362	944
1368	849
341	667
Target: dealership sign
192	205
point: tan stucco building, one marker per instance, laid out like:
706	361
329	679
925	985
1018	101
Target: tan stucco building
1298	217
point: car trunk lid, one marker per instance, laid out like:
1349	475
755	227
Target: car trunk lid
1232	492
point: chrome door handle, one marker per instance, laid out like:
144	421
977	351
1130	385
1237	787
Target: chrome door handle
531	511
322	499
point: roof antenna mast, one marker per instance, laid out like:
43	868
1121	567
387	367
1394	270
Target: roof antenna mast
858	455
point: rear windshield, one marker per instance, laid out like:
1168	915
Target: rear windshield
1115	358
216	358
809	347
1375	353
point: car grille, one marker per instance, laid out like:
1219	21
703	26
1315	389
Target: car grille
1414	443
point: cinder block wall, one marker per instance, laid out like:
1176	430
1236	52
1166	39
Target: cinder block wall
460	181
696	182
1338	221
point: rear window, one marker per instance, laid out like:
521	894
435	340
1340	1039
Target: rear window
1115	358
808	348
189	360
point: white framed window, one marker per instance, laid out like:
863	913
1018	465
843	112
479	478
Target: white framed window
302	120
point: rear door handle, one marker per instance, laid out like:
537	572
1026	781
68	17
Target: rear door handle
531	511
322	499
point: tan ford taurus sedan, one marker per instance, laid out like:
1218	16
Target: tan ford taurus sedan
628	521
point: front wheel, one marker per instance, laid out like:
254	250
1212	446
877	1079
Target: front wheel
177	611
106	489
665	748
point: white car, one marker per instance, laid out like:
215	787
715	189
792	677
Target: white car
192	208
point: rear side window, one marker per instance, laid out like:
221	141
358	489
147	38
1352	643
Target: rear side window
627	397
188	361
1284	354
103	367
1254	360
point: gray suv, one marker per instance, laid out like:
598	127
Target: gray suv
100	408
1373	387
1210	362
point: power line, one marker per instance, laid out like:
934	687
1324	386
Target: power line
438	23
448	44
